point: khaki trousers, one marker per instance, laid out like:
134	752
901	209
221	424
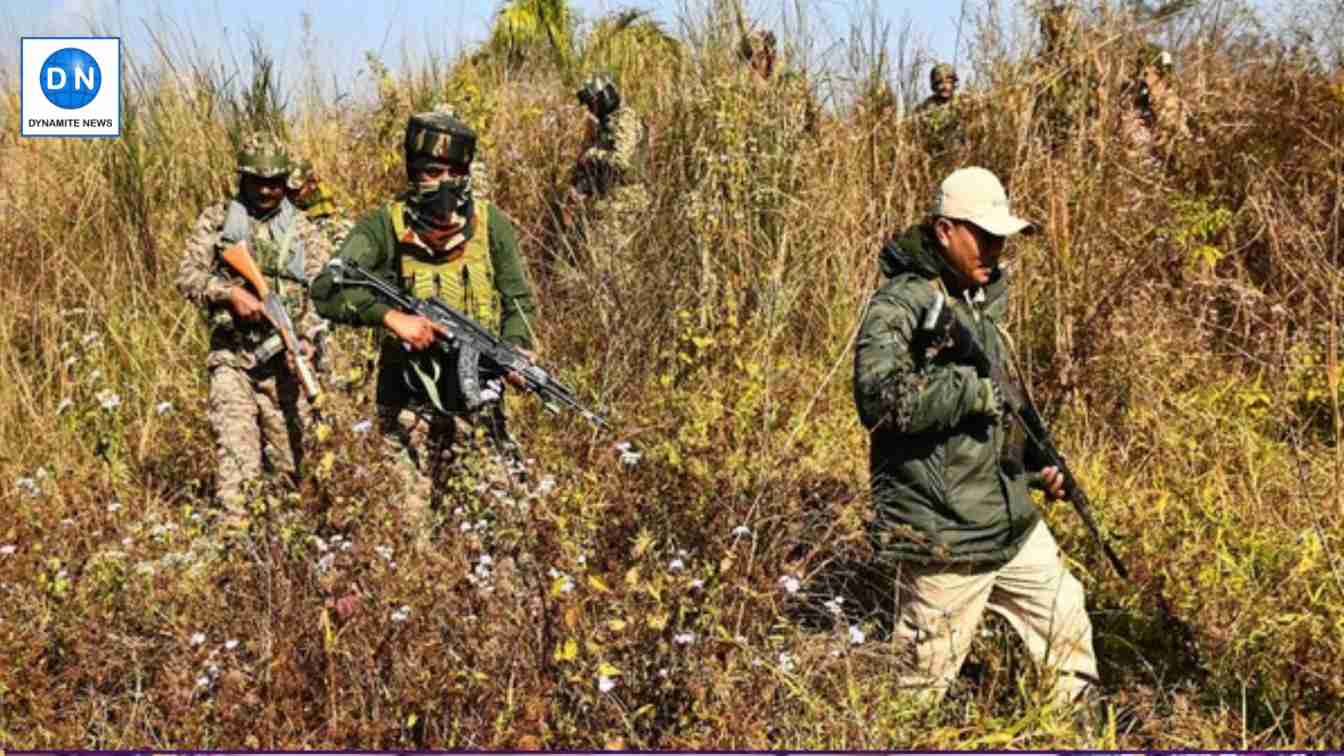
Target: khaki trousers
940	607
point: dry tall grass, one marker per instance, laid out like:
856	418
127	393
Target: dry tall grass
1180	326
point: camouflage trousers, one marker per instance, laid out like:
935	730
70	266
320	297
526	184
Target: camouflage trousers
258	416
444	462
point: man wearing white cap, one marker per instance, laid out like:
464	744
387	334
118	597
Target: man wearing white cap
950	469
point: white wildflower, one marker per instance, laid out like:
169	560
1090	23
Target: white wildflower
741	531
197	639
203	681
114	507
230	644
856	636
108	399
362	427
28	486
683	639
790	583
697	584
465	527
163	408
605	684
401	614
833	606
581	560
64	405
8	549
567	586
676	565
385	552
786	662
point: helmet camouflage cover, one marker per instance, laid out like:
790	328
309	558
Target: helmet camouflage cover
756	43
599	95
263	155
439	136
940	72
301	171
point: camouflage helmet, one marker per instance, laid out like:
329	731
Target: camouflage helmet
439	136
1057	21
1151	55
755	43
301	172
263	155
940	72
599	95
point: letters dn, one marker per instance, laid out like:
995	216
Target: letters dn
70	78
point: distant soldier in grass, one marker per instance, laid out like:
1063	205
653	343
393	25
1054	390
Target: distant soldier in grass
256	405
606	186
798	114
1155	120
943	86
950	468
308	192
937	118
438	239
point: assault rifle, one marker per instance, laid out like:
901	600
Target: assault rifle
938	321
478	351
238	258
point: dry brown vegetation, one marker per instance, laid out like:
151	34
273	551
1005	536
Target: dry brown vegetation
1180	325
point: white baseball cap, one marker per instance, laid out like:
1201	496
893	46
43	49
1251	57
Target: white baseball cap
975	195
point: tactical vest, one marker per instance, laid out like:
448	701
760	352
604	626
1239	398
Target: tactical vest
464	279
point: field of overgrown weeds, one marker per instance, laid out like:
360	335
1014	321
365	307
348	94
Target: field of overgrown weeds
1179	322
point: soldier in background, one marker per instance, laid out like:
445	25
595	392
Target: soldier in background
257	408
1155	120
943	86
938	121
607	186
307	191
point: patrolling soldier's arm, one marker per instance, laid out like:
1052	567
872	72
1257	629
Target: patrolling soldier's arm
518	311
354	305
202	281
902	391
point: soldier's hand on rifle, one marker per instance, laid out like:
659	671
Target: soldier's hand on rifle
416	331
1054	483
513	377
245	305
306	348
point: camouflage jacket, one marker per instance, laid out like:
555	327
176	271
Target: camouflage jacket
205	280
613	154
948	485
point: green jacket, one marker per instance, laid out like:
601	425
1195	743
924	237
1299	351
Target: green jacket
947	485
372	246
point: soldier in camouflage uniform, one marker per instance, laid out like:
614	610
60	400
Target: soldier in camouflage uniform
437	239
950	468
256	402
943	86
758	51
308	192
937	118
606	185
1066	76
1155	120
